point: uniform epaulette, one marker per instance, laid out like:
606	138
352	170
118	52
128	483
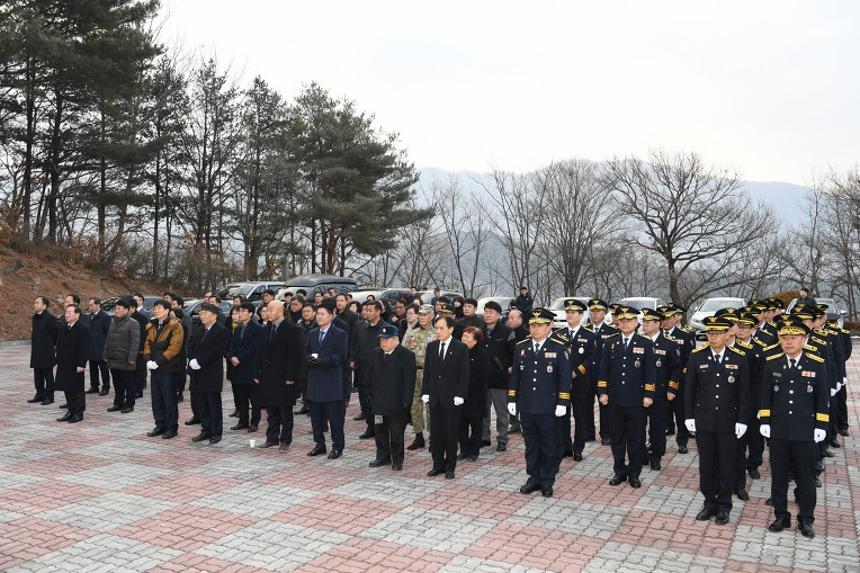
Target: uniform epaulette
613	335
815	358
760	343
525	341
775	356
744	345
737	351
772	346
685	328
818	340
700	348
560	338
810	348
644	337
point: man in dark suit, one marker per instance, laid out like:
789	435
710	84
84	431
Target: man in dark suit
142	320
444	387
279	359
582	344
99	323
73	350
392	384
326	356
43	354
241	354
206	365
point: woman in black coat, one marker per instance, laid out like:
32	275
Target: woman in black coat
475	407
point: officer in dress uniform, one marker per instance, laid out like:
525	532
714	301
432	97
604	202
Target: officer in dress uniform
843	337
717	403
539	390
626	383
667	362
686	340
751	445
582	344
837	349
596	323
794	416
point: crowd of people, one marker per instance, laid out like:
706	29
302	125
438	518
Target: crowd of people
763	377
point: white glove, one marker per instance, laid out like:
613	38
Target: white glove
833	391
690	423
740	430
195	365
512	408
560	411
425	398
819	435
152	365
458	401
764	430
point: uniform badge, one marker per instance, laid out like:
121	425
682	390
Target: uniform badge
549	354
638	350
777	374
660	352
703	366
731	379
659	363
581	350
808	373
637	364
776	388
549	368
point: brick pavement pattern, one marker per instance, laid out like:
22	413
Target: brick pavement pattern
100	496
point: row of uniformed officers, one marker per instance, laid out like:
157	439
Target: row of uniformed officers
762	374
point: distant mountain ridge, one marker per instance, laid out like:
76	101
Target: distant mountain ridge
785	199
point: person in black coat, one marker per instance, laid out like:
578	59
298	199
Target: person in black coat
241	354
140	370
73	350
206	365
99	323
326	357
444	387
392	384
43	355
475	407
499	357
366	341
279	359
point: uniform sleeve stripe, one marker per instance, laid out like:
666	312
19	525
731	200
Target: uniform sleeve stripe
602	384
563	396
674	385
581	369
764	413
650	387
822	417
512	392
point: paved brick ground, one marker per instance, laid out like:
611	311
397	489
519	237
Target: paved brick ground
100	496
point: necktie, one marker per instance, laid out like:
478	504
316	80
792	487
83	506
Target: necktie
272	332
626	343
322	335
793	362
205	334
717	358
442	351
537	348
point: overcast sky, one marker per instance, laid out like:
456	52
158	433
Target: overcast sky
768	88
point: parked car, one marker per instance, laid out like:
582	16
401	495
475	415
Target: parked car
427	295
557	308
834	312
641	302
360	296
317	283
504	301
109	304
192	307
390	295
712	305
252	291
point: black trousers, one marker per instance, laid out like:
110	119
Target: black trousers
140	375
754	442
164	407
589	411
676	406
717	453
211	413
195	401
76	402
605	430
43	379
444	429
655	417
842	402
280	424
181	379
470	435
583	415
789	458
389	439
364	403
124	391
334	413
541	437
626	433
247	394
99	367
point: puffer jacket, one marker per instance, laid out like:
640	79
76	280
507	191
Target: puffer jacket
122	344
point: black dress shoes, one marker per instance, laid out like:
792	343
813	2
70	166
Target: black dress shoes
754	473
65	417
604	441
192	421
834	443
140	395
434	472
617	479
155	432
47	401
35	399
805	529
656	466
76	418
92	391
238	427
461	456
742	494
318	450
529	487
104	392
502	448
449	475
359	417
779	524
722	518
379	463
577	456
168	434
284	446
635	482
366	435
417	443
200	437
683	450
179	397
706	514
397	467
252	429
335	454
214	440
546	492
114	409
126	410
828	454
268	444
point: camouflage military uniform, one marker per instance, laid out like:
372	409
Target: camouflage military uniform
416	339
